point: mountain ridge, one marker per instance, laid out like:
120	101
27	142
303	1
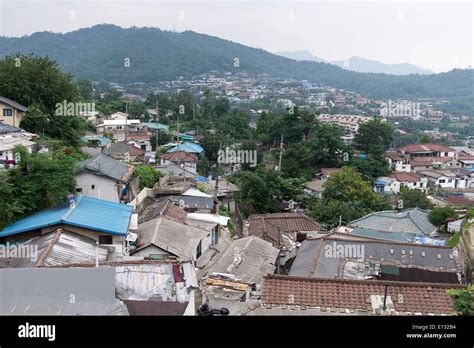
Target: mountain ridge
98	53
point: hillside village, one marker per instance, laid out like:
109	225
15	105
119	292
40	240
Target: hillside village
156	212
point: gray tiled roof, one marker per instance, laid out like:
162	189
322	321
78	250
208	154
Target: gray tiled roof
13	104
107	166
312	259
5	128
408	221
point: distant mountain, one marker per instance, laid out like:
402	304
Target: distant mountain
372	66
301	55
101	53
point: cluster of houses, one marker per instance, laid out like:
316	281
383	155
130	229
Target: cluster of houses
170	249
428	166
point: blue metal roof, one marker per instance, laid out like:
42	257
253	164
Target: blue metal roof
201	179
103	140
155	126
187	147
91	213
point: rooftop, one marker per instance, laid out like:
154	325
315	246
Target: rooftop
332	257
357	296
248	259
409	221
187	147
90	213
13	104
58	248
107	166
175	237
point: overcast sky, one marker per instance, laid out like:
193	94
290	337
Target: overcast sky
433	35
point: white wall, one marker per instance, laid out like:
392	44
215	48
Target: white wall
105	188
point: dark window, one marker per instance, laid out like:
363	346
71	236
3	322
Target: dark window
93	187
79	190
7	112
199	251
105	239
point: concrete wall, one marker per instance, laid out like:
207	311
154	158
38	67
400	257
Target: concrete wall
104	188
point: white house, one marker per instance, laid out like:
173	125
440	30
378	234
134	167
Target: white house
106	178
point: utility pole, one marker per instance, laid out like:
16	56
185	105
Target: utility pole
281	153
216	189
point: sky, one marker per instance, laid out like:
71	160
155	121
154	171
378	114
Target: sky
436	35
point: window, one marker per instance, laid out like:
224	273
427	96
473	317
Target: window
93	187
7	112
79	190
442	181
199	251
105	239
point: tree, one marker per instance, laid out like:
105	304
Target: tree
413	198
370	167
463	300
35	80
85	89
438	216
347	196
148	175
41	181
10	205
374	137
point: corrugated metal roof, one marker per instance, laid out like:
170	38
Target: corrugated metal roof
5	128
56	248
187	147
91	213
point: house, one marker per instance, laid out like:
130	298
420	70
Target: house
169	185
287	295
96	141
419	164
176	171
11	112
54	249
284	230
440	178
185	160
125	152
315	187
7	131
410	221
325	173
397	162
105	222
194	204
7	146
166	281
119	128
104	177
465	160
398	180
427	150
187	147
119	116
163	237
236	275
345	258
